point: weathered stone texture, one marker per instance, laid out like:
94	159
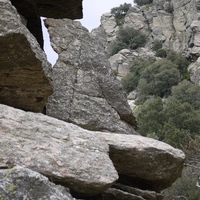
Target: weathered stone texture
194	70
63	152
144	162
22	183
25	81
86	91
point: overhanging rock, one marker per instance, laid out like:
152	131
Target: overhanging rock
60	9
25	81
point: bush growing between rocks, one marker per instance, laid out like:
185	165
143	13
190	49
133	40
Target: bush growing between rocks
158	78
120	12
130	81
128	38
157	45
161	53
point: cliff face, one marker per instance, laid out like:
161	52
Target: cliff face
175	23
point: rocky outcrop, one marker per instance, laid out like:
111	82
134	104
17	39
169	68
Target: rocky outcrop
149	164
86	91
32	10
78	159
170	22
29	12
63	152
123	60
22	183
194	70
174	23
25	81
119	192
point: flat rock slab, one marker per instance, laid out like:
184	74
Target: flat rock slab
25	80
86	91
64	152
144	162
22	183
60	9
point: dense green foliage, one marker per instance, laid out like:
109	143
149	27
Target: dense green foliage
143	2
157	45
158	78
128	38
130	82
151	77
120	12
176	120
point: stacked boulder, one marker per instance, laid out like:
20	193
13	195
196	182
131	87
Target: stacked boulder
91	151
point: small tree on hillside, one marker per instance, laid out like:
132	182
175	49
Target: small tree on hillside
120	12
129	38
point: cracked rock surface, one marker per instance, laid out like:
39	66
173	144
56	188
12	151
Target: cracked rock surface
86	91
25	80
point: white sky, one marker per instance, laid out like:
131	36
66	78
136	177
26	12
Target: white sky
92	12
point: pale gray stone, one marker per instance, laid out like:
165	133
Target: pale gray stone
145	162
64	152
22	183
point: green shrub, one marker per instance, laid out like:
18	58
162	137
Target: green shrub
158	78
161	53
180	61
117	46
130	81
186	91
157	45
120	12
128	38
172	121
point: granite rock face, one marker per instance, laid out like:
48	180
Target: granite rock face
25	81
144	162
86	91
63	152
174	23
23	183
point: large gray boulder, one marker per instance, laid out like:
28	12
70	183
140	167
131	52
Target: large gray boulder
22	183
86	91
79	158
144	162
65	153
25	74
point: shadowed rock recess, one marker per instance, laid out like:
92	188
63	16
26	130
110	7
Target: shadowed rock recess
91	151
25	80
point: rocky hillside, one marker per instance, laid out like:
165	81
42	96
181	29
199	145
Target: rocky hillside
174	23
160	72
67	131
